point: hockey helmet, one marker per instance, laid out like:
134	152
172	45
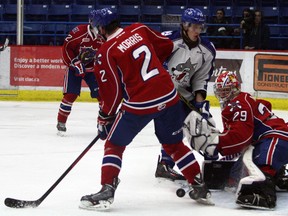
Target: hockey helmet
102	17
226	86
193	16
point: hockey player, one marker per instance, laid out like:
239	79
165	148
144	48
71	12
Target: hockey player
78	53
250	127
190	65
128	70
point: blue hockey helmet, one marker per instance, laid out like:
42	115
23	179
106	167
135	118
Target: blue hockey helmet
193	16
102	17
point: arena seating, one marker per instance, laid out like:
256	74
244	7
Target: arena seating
55	18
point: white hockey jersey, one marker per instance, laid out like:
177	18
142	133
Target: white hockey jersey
190	69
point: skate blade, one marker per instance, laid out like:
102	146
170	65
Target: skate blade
204	201
102	206
61	133
255	207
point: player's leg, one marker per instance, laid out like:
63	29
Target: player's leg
92	84
165	164
71	90
124	129
168	128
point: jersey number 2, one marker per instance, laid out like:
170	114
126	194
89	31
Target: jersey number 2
147	59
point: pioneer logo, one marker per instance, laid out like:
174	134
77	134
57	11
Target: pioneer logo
271	73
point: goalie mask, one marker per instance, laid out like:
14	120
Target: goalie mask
226	87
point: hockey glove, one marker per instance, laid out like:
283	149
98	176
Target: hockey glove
104	124
87	55
202	137
78	67
203	107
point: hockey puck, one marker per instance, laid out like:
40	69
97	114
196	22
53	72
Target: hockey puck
180	192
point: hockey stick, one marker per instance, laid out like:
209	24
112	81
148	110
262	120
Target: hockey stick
2	48
16	203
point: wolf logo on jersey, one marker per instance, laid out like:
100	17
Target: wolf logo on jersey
180	74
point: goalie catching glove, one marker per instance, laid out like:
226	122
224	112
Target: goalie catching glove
104	124
202	137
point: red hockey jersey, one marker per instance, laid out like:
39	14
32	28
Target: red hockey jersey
129	66
245	121
80	37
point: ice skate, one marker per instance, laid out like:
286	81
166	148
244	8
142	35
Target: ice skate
101	200
197	191
61	127
282	179
166	172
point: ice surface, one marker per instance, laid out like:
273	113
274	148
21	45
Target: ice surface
33	157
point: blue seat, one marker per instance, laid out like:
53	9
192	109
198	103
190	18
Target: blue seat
36	12
268	3
174	9
245	3
275	31
152	13
129	13
223	3
284	15
129	2
10	12
32	28
284	32
15	2
3	2
192	3
177	2
44	2
59	13
107	2
32	33
54	28
64	2
270	15
8	28
153	2
80	12
85	2
1	11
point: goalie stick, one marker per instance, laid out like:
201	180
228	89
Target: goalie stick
17	203
2	48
